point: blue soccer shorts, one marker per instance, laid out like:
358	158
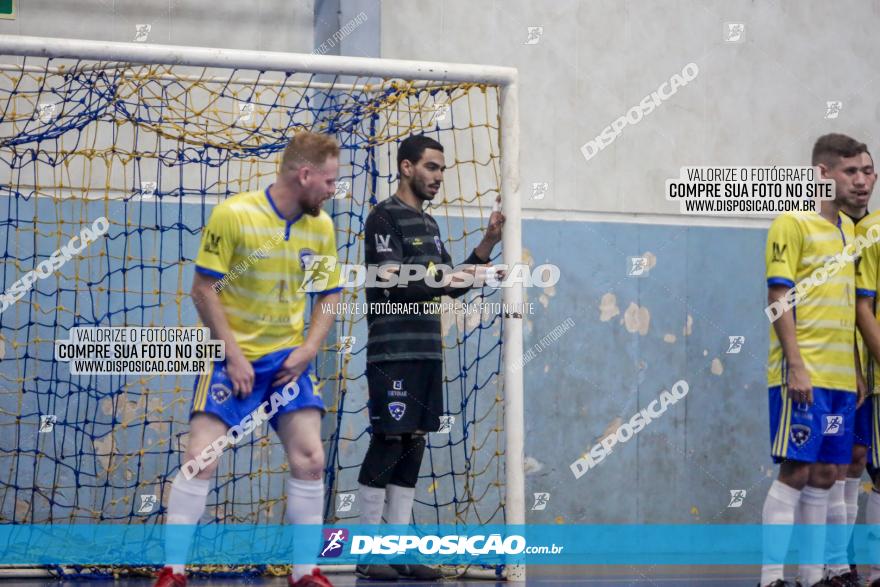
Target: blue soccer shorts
821	432
213	392
868	427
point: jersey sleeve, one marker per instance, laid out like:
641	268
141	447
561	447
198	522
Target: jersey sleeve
784	243
218	243
866	265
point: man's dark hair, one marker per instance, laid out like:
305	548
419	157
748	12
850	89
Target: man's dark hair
829	149
411	148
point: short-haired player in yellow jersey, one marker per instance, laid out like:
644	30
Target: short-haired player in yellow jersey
248	290
812	366
857	175
867	288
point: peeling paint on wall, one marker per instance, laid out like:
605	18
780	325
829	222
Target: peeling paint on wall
531	465
637	319
609	430
608	307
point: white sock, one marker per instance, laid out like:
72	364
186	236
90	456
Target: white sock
814	512
779	508
372	502
398	507
305	504
872	517
851	496
186	505
837	530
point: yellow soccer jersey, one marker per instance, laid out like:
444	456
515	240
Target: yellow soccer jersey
797	245
261	260
867	285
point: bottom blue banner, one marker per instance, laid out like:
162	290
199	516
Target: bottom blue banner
111	544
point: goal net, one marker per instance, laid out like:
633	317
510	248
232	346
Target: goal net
93	130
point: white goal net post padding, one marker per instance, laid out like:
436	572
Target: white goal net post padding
151	137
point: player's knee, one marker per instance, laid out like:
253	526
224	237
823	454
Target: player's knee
406	471
307	462
201	459
874	474
823	475
794	474
859	452
859	461
194	468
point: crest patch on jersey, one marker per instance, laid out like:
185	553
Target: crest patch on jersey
220	393
397	410
800	434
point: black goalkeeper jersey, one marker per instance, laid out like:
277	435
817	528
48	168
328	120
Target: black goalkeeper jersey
396	233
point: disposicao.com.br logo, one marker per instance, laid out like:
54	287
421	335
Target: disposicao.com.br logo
409	545
448	544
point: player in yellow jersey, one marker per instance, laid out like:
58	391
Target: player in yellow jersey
247	290
867	287
812	366
856	175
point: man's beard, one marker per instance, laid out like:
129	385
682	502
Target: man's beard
314	211
421	193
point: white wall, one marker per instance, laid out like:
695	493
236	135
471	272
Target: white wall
269	25
761	101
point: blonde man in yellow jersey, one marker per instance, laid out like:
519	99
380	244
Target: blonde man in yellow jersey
812	366
250	270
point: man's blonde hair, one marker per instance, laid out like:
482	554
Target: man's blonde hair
308	147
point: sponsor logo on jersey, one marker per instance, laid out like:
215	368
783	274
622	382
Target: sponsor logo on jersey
778	252
212	243
832	425
383	243
397	389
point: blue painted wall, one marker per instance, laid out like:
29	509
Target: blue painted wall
681	467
